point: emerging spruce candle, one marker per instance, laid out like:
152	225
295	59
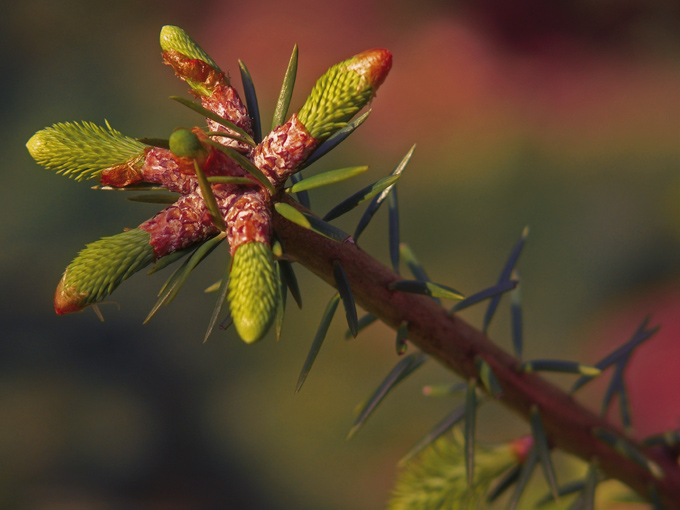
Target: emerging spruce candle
227	183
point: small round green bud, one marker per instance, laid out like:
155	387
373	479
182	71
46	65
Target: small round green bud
185	144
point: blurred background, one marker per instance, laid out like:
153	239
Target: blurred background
561	116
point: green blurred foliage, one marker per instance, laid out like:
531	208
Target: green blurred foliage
569	127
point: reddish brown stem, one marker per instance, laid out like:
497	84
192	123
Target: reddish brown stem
454	343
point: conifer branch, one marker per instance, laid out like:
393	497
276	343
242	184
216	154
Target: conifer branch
454	343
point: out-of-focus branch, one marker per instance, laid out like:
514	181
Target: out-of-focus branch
456	344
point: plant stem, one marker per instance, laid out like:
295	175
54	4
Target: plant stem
568	425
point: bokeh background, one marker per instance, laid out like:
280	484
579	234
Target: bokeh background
561	116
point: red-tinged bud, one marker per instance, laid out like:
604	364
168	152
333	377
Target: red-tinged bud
344	90
202	77
189	61
100	267
124	174
206	79
373	64
521	447
67	299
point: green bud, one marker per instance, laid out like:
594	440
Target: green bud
344	90
253	290
100	268
82	150
175	39
185	144
190	62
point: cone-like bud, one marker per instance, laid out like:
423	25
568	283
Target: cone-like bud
253	290
344	90
100	268
190	62
175	39
84	150
206	80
